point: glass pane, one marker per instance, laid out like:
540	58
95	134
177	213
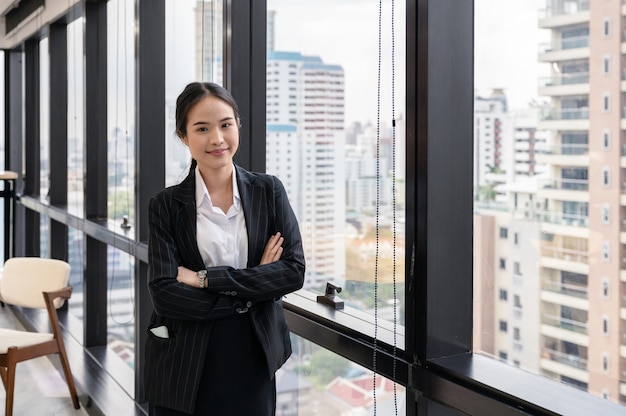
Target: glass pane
44	117
194	52
2	126
76	259
316	381
2	140
549	269
333	143
75	116
121	305
44	236
121	109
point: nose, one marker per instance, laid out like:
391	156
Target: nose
216	137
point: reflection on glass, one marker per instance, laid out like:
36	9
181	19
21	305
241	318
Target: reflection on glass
75	116
549	270
2	141
44	238
121	305
121	109
194	52
316	381
75	254
340	159
44	118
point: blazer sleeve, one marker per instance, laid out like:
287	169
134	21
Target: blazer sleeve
273	280
171	298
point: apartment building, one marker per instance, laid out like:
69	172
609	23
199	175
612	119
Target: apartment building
305	142
583	276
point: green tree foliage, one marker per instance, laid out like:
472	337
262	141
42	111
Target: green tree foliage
326	366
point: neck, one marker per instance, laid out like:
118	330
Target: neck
219	179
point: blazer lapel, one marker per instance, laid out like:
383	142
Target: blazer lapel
254	202
185	195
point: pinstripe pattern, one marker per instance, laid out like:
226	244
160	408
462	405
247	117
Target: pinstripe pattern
174	365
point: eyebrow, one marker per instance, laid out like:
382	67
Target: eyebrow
206	122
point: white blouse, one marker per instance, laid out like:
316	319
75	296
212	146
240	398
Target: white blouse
222	237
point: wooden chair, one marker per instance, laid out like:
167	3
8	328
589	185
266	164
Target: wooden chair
32	282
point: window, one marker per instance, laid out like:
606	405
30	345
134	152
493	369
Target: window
605	325
606	27
606	139
502	263
504	232
606	102
503	356
606	251
606	65
516	334
503	294
503	326
515	238
606	284
346	259
606	214
606	177
517	268
605	362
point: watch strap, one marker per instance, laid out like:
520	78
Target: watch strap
202	279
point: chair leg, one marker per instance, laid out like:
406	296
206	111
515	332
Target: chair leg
10	385
69	379
3	376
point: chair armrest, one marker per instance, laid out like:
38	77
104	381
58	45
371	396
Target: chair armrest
64	294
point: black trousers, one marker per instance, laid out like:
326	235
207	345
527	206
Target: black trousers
235	380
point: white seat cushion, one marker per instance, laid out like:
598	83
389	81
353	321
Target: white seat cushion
14	338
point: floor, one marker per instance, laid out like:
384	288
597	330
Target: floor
40	389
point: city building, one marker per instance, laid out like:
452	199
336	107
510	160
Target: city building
583	277
305	147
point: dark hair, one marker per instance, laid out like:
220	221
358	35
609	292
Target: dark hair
193	93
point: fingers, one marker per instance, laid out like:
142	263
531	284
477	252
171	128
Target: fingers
273	249
279	252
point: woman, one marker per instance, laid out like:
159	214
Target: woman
224	247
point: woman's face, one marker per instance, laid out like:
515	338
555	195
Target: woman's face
212	134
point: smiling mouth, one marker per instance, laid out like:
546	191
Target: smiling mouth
217	151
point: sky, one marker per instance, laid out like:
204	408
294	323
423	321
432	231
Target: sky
345	32
316	28
506	47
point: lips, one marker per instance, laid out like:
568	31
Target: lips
218	152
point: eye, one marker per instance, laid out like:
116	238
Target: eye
226	125
201	129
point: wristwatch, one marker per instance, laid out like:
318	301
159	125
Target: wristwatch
201	278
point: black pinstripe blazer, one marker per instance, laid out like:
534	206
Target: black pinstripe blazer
173	365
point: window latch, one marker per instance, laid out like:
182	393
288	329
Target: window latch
330	298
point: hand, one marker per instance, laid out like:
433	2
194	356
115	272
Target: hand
188	277
273	249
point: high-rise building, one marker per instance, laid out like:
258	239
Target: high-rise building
209	44
305	145
552	252
582	269
506	143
